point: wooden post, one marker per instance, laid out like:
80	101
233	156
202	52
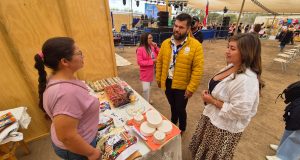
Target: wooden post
167	2
238	21
131	20
273	20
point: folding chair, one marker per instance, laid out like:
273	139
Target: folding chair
297	47
287	55
283	63
283	55
294	49
285	58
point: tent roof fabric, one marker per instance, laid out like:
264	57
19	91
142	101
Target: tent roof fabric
279	6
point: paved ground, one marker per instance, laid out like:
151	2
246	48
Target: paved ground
265	128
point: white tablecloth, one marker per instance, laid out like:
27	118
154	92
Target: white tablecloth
170	151
10	133
120	61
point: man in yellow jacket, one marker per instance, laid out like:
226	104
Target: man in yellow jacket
179	68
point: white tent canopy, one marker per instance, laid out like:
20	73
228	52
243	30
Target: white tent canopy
278	6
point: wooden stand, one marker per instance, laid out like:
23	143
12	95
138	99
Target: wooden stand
8	150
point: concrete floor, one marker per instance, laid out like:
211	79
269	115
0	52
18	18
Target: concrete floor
40	150
265	128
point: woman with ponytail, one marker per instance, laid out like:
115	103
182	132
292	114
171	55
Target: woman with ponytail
66	100
39	65
146	59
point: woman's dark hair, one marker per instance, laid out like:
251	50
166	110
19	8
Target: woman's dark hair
144	42
257	28
250	48
53	50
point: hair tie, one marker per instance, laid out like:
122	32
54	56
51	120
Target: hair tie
41	54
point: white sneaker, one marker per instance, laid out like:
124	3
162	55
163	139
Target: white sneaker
272	158
274	147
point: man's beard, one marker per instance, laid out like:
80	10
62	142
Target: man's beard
179	36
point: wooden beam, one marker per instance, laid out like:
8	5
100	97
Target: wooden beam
273	20
241	11
167	2
111	38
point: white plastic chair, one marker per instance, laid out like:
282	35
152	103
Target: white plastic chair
285	58
283	63
283	55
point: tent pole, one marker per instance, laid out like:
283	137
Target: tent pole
167	2
273	19
238	21
131	21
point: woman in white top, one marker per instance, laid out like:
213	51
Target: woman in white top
230	101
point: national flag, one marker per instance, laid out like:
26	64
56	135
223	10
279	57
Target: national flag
206	14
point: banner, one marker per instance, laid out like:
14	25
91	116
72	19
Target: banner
151	10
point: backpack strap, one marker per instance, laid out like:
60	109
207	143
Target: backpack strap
279	95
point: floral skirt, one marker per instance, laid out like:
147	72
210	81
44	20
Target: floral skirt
212	143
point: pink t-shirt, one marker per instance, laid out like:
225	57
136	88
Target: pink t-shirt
73	99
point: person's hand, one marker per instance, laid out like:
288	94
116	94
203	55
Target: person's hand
154	44
188	94
96	155
154	61
158	84
206	97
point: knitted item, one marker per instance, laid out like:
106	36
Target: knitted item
6	120
116	144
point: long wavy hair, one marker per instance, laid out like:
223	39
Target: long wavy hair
250	48
53	50
144	43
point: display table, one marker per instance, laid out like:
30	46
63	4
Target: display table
170	150
11	137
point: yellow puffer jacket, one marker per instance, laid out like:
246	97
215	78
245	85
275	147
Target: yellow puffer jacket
188	68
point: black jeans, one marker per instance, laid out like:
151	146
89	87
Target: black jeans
178	104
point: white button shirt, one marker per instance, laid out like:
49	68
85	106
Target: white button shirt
240	96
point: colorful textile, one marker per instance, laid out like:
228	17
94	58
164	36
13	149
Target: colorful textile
116	144
6	120
117	95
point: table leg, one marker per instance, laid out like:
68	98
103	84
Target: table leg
25	146
7	151
12	157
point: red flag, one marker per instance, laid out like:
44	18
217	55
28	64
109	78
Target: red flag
206	14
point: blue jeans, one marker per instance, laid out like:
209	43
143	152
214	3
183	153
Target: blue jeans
282	45
289	147
68	155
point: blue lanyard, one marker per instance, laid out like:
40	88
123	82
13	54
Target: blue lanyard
196	32
175	53
152	54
